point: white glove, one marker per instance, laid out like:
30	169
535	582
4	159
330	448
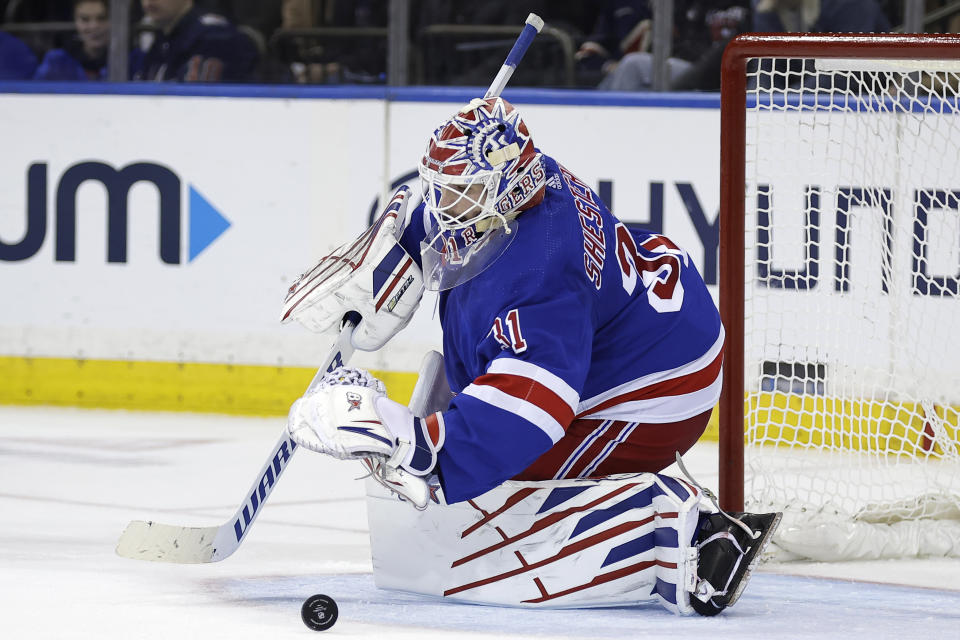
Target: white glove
372	275
349	416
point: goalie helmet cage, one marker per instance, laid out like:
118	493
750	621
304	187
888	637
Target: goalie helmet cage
839	286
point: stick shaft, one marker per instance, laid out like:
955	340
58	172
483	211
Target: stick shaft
171	543
531	28
340	353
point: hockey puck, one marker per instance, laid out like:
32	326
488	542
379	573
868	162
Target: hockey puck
319	612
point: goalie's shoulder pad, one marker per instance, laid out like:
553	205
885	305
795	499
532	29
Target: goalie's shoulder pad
373	276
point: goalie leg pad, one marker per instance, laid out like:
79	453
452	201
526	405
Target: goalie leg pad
558	543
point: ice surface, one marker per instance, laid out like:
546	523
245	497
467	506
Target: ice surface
72	480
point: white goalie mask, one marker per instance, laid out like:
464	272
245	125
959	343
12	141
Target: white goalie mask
479	171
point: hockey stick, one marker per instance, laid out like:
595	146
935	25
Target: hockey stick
145	540
531	28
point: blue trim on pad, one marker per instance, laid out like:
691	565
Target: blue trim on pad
383	271
559	496
666	590
630	549
598	516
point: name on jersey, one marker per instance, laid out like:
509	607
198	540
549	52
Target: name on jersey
591	223
526	187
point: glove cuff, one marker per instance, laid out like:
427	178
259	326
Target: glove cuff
419	439
430	433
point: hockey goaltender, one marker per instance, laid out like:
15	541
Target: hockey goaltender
580	359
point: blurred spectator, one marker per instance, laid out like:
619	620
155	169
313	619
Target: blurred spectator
474	59
38	11
619	47
33	11
498	12
705	32
17	61
622	27
333	59
193	46
820	16
573	16
297	14
84	57
262	15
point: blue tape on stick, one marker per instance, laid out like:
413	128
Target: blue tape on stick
521	45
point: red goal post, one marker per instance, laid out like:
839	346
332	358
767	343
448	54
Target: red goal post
734	187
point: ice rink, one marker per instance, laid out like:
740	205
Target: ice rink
72	480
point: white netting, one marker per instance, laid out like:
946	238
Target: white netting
852	316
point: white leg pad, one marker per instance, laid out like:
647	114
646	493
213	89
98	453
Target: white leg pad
561	543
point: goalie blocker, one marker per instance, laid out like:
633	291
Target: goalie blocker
372	276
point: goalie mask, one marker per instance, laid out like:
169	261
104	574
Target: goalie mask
480	170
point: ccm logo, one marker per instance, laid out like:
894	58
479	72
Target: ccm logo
206	224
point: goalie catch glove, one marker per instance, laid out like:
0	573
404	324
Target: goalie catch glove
349	416
373	276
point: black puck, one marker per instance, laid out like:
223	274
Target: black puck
319	612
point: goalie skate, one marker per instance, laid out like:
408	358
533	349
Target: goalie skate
727	556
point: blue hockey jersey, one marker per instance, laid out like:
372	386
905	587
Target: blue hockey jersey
580	319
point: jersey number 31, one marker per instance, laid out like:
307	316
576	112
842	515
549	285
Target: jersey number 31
657	263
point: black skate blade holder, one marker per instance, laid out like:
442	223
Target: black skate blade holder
713	498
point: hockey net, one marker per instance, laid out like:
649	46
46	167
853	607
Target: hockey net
840	279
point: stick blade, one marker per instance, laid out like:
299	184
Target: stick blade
156	542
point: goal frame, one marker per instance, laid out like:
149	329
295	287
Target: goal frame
733	120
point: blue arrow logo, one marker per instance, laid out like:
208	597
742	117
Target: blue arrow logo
206	223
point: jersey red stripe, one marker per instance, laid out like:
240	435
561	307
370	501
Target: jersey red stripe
674	387
594	450
532	392
433	428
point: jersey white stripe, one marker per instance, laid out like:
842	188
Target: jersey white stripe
512	366
526	410
607	450
653	378
579	451
665	409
